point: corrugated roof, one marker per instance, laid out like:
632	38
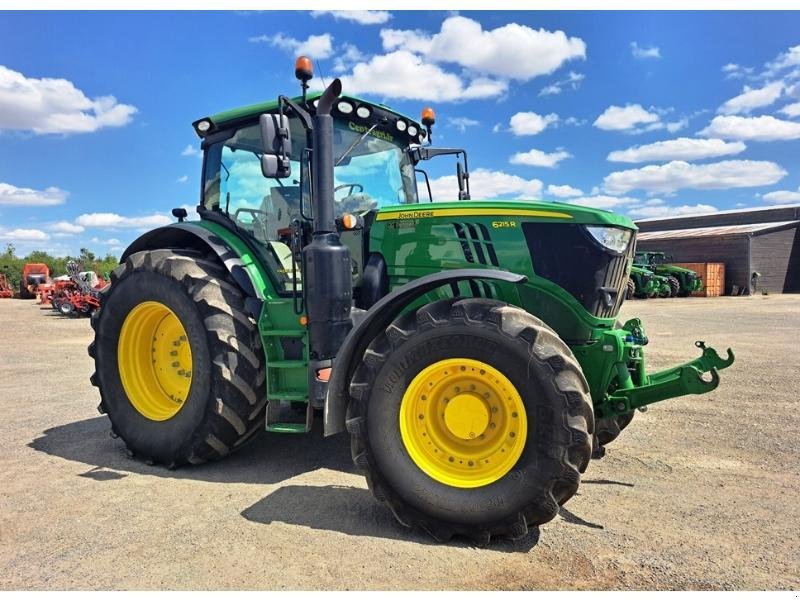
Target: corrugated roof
696	232
719	212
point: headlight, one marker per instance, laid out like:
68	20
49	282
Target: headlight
615	239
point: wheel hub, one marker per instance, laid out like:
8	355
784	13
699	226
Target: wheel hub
155	361
466	416
463	422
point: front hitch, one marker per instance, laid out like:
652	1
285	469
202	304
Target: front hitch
678	381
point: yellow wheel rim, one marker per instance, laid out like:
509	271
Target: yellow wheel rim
155	361
463	422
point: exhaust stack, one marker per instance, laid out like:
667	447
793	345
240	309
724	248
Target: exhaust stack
327	278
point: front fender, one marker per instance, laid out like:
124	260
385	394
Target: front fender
375	320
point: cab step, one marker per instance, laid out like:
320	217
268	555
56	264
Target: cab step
285	416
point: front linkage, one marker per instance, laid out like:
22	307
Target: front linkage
624	385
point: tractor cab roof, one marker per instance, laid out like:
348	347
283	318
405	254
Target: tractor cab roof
356	110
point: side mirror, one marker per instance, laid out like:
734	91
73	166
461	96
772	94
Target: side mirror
276	144
463	186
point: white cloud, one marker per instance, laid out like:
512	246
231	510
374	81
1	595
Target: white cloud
66	228
563	191
11	195
762	129
182	179
572	81
679	174
317	47
675	126
24	235
791	110
347	56
55	106
790	58
537	158
512	51
531	123
190	150
751	98
664	210
407	76
620	118
115	221
486	184
644	52
734	71
678	149
462	123
782	197
362	17
574	121
108	242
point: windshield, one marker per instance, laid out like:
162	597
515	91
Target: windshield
375	172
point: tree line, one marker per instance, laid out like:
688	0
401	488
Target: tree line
11	265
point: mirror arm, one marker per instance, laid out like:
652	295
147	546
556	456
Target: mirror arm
301	113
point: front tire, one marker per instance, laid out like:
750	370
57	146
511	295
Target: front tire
630	289
178	361
674	286
499	366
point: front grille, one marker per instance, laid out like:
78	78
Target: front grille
568	256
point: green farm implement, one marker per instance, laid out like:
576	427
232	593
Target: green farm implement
469	348
643	283
682	281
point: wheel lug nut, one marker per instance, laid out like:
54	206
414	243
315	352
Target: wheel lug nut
176	364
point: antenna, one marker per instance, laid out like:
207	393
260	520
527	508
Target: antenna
321	76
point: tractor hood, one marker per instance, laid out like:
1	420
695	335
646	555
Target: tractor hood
507	210
675	269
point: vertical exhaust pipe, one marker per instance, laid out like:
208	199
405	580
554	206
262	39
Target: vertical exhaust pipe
327	277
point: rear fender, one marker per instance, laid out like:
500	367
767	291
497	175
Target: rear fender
196	237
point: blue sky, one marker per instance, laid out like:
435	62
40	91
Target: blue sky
646	113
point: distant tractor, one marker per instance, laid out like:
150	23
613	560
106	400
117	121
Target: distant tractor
682	281
469	348
643	283
33	275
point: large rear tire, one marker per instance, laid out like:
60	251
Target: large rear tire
178	361
470	417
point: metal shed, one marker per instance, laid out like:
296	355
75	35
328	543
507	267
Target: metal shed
750	241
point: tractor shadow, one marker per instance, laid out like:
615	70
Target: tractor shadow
270	458
354	511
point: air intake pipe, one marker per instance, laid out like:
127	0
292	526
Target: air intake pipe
327	277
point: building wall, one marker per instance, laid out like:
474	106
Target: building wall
776	255
768	215
731	250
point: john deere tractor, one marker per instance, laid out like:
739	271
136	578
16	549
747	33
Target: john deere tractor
682	281
469	348
643	283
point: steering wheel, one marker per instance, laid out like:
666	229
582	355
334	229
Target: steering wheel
352	187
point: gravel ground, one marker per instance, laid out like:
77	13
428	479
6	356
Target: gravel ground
699	492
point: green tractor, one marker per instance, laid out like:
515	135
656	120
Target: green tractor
682	281
643	283
470	349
